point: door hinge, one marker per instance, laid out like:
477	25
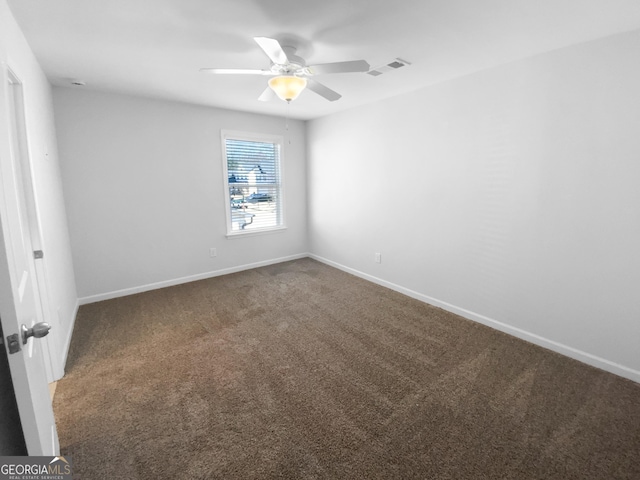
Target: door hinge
38	254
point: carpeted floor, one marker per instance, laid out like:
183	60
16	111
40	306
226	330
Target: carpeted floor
301	371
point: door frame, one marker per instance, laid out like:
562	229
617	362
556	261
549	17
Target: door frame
15	96
28	367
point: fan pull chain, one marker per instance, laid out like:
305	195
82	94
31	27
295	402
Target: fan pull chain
286	121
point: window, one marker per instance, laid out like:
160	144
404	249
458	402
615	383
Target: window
253	182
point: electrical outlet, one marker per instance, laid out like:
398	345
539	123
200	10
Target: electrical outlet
378	258
213	252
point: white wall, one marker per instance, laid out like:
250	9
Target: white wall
511	196
143	183
54	238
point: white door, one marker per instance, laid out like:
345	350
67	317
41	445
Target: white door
19	297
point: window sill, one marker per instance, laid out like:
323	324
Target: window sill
252	233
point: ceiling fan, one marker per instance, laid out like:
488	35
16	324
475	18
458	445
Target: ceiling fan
290	72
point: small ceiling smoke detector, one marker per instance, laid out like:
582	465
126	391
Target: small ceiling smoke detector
78	83
392	65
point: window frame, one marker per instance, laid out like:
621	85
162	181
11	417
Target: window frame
253	137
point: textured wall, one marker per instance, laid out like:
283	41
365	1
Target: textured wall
144	190
510	195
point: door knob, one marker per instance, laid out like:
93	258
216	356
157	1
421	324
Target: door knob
39	330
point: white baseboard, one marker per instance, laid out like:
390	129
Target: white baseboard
59	369
191	278
67	343
566	350
557	347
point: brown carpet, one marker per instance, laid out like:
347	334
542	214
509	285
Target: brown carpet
301	371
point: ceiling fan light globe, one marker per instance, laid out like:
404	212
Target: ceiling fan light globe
287	87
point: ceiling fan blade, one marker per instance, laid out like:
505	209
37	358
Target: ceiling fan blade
323	90
267	95
339	67
273	50
236	71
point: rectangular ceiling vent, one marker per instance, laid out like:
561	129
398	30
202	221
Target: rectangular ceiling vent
393	65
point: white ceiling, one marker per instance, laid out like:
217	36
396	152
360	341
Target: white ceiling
156	47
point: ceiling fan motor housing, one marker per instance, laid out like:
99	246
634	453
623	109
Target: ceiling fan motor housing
296	64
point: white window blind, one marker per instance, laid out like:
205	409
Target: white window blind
253	182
